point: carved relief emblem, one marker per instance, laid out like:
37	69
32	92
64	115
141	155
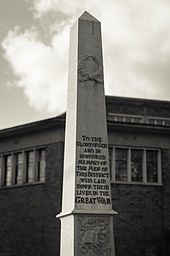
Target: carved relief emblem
90	68
94	236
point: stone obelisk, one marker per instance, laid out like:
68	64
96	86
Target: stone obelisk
87	215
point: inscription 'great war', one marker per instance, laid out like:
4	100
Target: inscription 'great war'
92	172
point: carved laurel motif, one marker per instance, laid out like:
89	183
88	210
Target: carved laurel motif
94	236
90	68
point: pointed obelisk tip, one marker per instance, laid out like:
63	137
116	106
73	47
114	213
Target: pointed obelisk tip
87	16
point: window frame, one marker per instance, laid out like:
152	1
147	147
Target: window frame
13	183
29	166
39	171
16	165
132	118
6	170
144	169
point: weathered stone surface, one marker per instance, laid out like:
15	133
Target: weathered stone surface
86	172
94	236
86	186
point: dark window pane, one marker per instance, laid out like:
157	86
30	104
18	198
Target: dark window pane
167	122
8	170
41	165
110	161
159	122
18	168
30	166
136	165
151	121
152	165
137	119
128	119
121	164
120	118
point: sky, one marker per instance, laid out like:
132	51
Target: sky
34	42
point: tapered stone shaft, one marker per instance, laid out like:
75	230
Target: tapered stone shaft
86	218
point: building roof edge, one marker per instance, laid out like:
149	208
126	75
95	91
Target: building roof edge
51	122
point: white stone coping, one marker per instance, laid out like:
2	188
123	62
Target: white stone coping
91	212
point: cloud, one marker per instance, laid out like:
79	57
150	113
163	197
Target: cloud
40	69
56	14
136	43
62	6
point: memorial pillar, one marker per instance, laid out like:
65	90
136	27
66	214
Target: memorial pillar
87	215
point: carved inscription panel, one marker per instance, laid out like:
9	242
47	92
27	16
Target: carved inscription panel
92	174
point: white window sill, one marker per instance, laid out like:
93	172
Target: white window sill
137	183
23	185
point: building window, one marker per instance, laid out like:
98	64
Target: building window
118	117
23	167
121	164
18	165
135	165
41	165
30	166
8	170
152	165
158	120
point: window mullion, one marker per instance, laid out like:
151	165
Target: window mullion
25	169
129	165
3	176
13	161
144	167
35	166
20	167
159	167
113	172
36	153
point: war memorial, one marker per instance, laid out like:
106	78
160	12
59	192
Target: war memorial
93	181
87	212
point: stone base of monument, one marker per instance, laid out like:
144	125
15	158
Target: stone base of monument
87	235
94	235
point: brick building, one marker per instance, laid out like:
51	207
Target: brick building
31	171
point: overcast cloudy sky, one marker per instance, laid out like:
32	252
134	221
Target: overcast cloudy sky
34	39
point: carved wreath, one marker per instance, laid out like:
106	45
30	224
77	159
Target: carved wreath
90	68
